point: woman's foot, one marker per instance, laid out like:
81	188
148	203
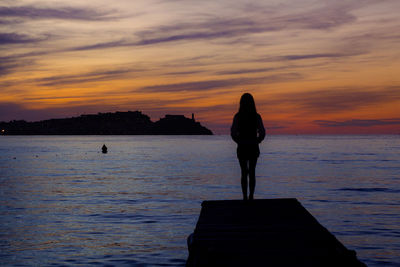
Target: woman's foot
251	197
244	198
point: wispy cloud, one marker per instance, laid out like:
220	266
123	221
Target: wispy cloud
182	73
198	54
357	123
286	67
344	53
329	16
246	71
14	62
103	45
220	27
313	56
333	100
15	38
93	76
64	12
10	64
210	29
326	17
7	67
223	83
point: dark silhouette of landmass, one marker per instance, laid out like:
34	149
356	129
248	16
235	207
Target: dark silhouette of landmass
118	123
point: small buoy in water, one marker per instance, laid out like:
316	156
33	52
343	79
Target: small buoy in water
104	149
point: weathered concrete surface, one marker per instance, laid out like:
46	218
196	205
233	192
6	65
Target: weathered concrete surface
265	232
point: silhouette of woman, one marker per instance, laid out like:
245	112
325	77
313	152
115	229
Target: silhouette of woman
247	131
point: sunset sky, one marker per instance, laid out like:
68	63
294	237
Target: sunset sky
313	66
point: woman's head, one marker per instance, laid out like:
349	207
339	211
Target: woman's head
247	104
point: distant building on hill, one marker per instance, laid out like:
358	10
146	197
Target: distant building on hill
179	124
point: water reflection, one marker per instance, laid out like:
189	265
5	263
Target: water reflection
136	204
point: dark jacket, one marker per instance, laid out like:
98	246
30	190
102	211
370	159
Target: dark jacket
247	130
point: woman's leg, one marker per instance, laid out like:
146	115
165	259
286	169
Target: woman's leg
252	177
245	172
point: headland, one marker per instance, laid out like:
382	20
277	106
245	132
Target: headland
117	123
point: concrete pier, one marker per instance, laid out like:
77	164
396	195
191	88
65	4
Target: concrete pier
265	232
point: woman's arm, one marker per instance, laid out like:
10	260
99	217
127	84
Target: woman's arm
260	129
235	130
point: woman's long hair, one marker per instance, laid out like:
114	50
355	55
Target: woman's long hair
247	104
247	115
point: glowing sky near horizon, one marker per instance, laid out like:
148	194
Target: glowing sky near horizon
313	66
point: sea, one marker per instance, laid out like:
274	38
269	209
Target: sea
63	202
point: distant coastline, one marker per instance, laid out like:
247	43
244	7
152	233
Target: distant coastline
117	123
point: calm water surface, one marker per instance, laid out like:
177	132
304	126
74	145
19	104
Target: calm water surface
62	202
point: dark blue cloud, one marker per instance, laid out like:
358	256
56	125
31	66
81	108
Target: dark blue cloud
182	73
324	18
191	86
145	41
210	29
246	71
344	53
10	64
68	13
332	100
187	36
9	21
357	123
102	45
7	67
312	56
93	76
235	30
15	38
223	83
